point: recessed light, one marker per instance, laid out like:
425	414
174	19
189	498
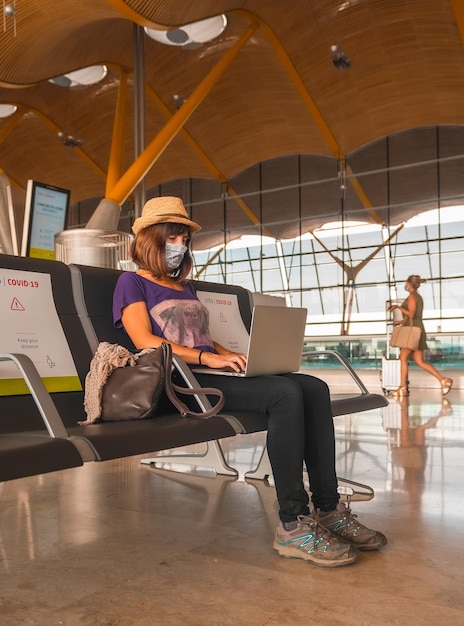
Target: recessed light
194	33
7	109
81	78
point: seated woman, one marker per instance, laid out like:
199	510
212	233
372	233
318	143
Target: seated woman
157	303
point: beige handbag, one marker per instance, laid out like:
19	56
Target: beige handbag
405	336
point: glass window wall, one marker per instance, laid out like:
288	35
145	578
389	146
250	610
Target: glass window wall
326	274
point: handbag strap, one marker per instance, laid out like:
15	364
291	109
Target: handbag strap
172	390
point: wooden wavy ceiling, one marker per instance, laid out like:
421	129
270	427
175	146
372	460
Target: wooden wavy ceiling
407	72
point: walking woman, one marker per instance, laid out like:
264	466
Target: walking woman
150	304
412	308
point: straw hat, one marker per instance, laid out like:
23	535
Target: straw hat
161	210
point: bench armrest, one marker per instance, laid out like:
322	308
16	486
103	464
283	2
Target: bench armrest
343	361
42	398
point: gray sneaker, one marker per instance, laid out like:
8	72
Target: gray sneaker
343	524
312	542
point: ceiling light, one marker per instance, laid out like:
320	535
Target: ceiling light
7	109
9	10
339	58
69	140
191	35
178	100
81	78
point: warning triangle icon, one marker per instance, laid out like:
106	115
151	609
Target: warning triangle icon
16	305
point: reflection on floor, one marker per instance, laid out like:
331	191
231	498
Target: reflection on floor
120	543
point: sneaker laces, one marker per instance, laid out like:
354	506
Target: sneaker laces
313	521
350	519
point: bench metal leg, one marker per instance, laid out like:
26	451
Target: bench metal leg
349	490
263	470
213	458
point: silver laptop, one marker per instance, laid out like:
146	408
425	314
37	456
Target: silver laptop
275	344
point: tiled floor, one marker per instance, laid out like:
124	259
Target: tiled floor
120	543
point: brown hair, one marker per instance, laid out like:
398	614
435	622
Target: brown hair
415	280
148	251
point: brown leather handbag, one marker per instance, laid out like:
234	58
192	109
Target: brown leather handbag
132	392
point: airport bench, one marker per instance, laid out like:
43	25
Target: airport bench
40	431
47	423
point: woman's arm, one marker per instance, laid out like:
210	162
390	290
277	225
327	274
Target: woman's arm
410	311
221	350
136	321
412	304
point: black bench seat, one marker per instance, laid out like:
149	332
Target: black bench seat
29	454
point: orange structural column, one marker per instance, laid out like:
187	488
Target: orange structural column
156	147
116	160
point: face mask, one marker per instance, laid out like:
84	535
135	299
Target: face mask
175	253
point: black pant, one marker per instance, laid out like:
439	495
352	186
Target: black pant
300	428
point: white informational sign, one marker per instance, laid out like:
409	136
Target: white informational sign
29	325
225	322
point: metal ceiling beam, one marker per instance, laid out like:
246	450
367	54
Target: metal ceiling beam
156	147
12	122
132	15
207	161
54	127
116	159
458	8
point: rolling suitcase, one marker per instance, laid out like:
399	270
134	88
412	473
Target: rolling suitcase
391	374
391	367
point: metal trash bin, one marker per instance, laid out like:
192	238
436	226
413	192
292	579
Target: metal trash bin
99	248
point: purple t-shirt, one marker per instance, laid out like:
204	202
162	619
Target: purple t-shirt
177	316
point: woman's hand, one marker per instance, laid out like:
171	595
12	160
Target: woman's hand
237	362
